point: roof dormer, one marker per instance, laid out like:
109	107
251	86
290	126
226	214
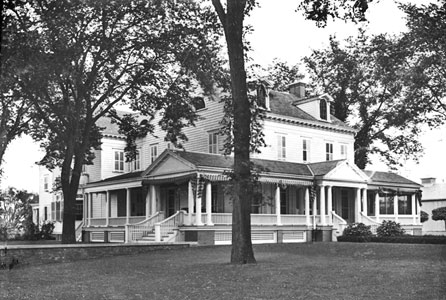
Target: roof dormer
262	93
318	106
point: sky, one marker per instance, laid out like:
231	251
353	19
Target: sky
279	32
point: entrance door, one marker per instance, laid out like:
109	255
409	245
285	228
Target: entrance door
170	202
345	212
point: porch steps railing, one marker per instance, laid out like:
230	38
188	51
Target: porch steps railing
78	231
369	222
135	232
339	224
167	228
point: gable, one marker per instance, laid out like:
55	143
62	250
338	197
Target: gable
169	165
344	171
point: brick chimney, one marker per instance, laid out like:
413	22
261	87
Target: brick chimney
297	89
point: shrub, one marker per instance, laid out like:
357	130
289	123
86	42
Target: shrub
357	229
46	230
405	239
439	214
424	216
389	228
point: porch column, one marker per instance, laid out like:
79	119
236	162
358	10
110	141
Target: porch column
279	219
107	207
322	205
209	204
84	210
377	206
414	215
358	206
395	207
127	202
364	201
89	208
148	203
314	211
152	199
330	204
418	212
307	206
198	203
190	203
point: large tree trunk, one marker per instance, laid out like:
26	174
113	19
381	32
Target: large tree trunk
232	21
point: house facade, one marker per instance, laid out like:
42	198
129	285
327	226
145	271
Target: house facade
434	196
308	185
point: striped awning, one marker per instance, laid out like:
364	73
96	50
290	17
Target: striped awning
281	181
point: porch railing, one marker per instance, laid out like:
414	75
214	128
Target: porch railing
369	222
116	221
263	219
222	218
339	223
168	225
293	219
138	230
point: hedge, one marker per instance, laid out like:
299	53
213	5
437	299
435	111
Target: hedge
405	239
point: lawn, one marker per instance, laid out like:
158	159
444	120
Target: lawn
283	271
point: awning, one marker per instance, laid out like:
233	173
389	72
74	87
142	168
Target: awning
281	181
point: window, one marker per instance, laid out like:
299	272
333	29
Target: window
261	96
305	150
343	151
404	205
45	213
198	103
328	151
283	201
135	164
119	161
57	211
281	147
153	152
46	181
213	142
323	109
386	204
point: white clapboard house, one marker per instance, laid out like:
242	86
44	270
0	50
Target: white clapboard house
308	181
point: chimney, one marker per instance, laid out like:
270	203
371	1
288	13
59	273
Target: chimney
428	181
297	89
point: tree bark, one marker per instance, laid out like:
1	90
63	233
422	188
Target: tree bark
232	21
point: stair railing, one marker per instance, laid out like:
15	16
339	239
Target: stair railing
170	224
339	222
78	231
369	222
138	230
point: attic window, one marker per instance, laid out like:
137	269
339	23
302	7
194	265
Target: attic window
261	96
198	103
323	109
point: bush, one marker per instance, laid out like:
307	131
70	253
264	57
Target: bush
357	229
46	230
389	228
424	216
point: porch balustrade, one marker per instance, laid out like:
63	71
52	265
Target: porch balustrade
168	225
116	221
263	219
402	219
293	219
138	230
97	222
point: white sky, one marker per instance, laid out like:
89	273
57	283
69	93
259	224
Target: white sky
279	32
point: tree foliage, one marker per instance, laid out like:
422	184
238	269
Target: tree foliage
15	211
366	79
14	110
425	43
439	214
85	57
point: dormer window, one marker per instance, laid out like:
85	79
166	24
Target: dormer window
198	103
323	109
261	96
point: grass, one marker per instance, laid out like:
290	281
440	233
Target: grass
283	271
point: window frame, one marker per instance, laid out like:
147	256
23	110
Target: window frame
328	151
343	151
118	161
153	148
305	149
281	147
213	142
323	114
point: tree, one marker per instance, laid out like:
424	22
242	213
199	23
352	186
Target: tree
366	80
282	75
425	42
231	17
85	57
424	216
15	209
13	108
439	214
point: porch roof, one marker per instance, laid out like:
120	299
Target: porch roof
388	178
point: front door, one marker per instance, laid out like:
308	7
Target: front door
345	207
171	202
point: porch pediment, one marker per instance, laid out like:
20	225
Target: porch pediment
344	171
169	164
